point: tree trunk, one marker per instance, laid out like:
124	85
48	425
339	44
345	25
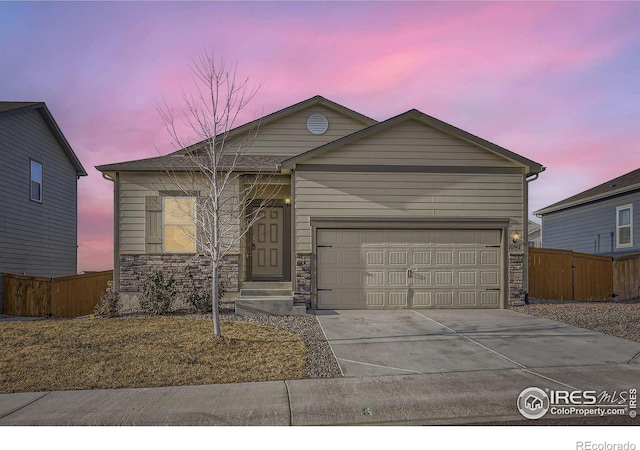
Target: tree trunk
214	299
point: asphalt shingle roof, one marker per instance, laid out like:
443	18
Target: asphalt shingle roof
174	162
10	106
615	186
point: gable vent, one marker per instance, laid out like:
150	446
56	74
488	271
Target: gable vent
317	123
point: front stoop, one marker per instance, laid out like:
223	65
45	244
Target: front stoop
266	298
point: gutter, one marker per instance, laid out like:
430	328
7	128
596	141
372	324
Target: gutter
116	228
528	178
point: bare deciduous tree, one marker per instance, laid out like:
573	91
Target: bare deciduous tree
212	169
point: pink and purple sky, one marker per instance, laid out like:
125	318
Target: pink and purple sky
557	82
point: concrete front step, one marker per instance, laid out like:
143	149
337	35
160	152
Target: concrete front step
267	298
266	292
266	285
268	306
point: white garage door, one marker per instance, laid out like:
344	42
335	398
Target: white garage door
382	269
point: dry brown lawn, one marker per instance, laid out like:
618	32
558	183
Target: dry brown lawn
143	352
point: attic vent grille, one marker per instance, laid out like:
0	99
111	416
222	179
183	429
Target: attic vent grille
317	123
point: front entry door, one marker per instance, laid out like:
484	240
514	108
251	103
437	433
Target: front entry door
267	244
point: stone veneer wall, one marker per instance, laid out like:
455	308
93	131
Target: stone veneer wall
186	269
302	291
516	280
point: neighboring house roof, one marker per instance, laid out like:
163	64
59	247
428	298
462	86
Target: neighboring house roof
248	162
533	226
8	108
623	184
414	114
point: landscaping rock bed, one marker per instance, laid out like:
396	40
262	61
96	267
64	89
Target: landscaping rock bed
619	318
321	363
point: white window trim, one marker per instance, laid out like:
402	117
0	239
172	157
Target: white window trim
195	205
618	226
31	180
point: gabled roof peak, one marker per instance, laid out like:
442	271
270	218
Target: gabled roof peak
414	114
8	108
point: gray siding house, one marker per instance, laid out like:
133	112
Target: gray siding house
535	234
38	192
603	220
406	213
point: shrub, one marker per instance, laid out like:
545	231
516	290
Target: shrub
109	304
199	298
158	293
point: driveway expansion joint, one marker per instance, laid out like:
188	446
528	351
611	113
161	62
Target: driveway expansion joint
634	358
378	365
24	406
286	386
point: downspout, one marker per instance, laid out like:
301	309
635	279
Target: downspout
116	229
528	178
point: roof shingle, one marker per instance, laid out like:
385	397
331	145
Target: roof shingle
624	183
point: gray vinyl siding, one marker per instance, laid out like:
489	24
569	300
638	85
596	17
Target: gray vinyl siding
591	228
437	195
402	195
36	238
289	136
413	143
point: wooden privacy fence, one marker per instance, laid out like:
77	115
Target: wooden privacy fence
65	297
626	276
567	275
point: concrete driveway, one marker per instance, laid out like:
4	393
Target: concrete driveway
403	342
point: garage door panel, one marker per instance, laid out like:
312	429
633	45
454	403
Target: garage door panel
467	279
327	257
489	279
467	298
444	278
467	258
398	237
351	258
375	258
396	258
375	237
375	299
421	278
490	298
351	278
374	279
421	258
444	299
398	299
327	237
421	299
409	269
397	278
489	258
444	258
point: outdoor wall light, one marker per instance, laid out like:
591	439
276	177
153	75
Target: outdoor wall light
287	201
515	236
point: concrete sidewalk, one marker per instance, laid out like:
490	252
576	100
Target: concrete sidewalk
437	399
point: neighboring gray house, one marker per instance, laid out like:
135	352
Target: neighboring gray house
602	220
38	193
535	234
406	213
